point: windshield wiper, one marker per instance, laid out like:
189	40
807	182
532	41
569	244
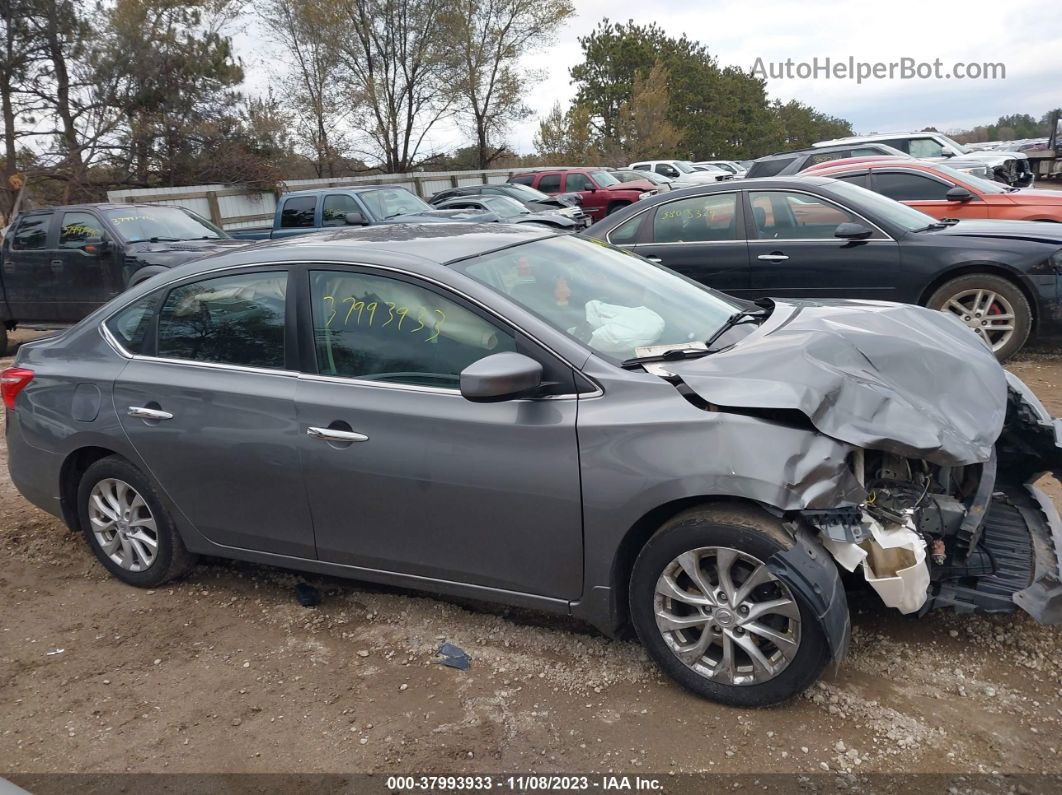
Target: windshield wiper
694	351
736	319
933	227
156	240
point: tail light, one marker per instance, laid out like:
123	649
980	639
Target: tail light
12	381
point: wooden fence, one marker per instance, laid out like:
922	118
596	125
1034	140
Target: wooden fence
240	207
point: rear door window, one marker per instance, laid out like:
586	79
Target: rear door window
550	183
227	320
31	233
697	219
298	212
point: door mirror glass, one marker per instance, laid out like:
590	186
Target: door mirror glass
502	376
850	231
355	219
958	194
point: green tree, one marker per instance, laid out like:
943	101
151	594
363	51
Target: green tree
490	37
799	125
643	129
567	136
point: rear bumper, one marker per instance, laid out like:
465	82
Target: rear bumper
34	472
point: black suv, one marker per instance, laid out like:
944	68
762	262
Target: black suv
783	164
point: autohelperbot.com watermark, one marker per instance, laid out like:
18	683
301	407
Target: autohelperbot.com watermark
827	68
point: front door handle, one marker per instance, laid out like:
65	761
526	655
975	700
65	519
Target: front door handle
149	414
57	262
654	259
773	257
332	435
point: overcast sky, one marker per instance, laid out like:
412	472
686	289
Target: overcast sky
1024	35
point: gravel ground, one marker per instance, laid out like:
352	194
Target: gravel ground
224	671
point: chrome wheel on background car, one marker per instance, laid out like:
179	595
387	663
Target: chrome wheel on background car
993	307
726	616
123	524
988	314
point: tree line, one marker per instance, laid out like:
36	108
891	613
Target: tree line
101	94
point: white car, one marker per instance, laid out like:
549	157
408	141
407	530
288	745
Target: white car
1010	167
732	166
682	172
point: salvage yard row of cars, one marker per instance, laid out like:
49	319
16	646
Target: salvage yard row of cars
707	454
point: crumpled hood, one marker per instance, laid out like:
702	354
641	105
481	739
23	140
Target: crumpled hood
883	376
435	216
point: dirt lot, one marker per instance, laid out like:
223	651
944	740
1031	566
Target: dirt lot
226	672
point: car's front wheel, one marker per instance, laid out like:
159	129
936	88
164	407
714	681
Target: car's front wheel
715	618
127	526
994	308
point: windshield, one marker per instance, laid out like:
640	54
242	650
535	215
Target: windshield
881	207
685	166
964	149
162	223
604	179
526	192
631	176
610	300
503	205
982	185
390	202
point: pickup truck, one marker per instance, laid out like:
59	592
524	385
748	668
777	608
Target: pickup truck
299	212
60	263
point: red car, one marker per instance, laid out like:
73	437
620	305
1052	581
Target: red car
943	192
599	192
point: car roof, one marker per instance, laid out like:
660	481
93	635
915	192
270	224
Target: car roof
876	137
877	160
341	188
428	244
96	206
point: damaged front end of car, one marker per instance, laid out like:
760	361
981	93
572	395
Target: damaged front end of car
945	445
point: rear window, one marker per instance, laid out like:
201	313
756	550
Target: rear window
769	168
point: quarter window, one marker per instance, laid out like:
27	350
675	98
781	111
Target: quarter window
80	230
335	209
523	179
698	219
298	212
229	320
31	233
131	326
377	328
626	234
905	187
780	215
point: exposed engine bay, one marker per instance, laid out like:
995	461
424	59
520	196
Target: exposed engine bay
976	538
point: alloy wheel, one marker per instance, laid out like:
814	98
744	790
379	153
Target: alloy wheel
724	615
988	313
123	525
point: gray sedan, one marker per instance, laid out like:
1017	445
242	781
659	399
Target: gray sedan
511	211
510	414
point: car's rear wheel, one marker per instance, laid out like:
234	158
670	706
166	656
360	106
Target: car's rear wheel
715	618
994	308
127	527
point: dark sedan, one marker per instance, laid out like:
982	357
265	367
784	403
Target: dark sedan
812	237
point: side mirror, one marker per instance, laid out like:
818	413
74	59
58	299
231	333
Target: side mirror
958	194
355	219
500	376
100	249
850	231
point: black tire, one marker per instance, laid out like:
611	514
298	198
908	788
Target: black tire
171	559
1008	290
748	530
612	208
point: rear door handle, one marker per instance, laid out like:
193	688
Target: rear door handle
333	435
773	257
149	414
58	262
